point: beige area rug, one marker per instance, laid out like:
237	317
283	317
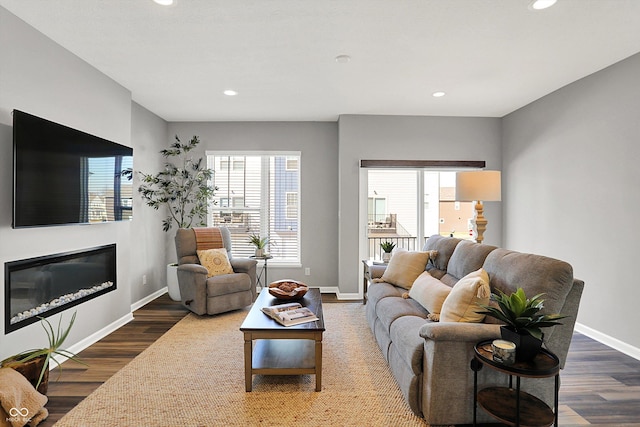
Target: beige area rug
194	376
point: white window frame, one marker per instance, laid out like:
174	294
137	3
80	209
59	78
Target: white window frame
264	220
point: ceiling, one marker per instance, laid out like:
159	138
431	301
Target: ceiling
491	57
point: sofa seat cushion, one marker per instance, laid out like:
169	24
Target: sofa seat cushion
379	290
405	335
228	283
392	308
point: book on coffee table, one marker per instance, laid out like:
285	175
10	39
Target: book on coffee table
290	314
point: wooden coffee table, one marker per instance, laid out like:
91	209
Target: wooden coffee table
282	350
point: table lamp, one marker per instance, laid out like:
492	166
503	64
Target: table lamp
479	186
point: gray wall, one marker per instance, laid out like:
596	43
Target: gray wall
403	137
148	136
318	144
40	77
572	174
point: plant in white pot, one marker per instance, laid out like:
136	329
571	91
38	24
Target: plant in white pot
387	248
260	244
182	188
523	321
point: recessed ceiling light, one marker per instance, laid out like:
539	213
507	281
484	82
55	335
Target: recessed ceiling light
343	59
230	92
164	2
541	4
438	94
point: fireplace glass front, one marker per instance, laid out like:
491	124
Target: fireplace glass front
43	286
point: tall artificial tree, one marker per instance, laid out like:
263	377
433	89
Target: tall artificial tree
183	186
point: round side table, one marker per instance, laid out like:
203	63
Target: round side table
513	406
262	282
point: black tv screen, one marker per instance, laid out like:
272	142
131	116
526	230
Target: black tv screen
65	176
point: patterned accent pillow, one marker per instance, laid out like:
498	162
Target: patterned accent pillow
462	303
216	261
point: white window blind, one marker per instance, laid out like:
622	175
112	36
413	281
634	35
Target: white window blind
259	194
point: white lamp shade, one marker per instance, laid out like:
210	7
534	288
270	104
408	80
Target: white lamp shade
478	186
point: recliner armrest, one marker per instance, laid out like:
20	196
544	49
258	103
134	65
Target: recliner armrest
460	331
243	265
193	268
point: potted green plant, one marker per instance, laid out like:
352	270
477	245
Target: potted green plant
523	321
260	244
183	188
387	247
34	363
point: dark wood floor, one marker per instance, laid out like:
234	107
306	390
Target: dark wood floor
600	386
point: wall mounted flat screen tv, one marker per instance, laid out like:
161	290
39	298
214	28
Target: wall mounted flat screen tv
65	176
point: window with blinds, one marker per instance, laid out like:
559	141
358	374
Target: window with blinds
258	193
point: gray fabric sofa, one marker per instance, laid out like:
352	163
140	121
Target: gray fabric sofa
431	360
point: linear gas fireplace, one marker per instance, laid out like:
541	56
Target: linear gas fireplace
43	286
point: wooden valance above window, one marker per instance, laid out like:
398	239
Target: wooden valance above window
417	164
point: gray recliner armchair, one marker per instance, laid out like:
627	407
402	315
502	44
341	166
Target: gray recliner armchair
217	294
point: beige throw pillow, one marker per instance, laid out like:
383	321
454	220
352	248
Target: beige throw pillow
462	303
430	293
405	267
216	261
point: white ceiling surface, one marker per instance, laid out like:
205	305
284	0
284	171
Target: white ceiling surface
491	57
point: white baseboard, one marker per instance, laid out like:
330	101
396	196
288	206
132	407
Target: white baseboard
146	300
92	339
97	336
607	340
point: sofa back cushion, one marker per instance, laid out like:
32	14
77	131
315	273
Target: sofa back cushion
467	257
535	274
445	247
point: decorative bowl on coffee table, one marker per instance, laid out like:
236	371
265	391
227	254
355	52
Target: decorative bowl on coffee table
288	289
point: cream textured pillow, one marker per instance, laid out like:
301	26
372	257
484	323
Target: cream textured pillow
430	293
216	261
405	267
462	303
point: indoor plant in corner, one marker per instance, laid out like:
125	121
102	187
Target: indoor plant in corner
183	189
34	363
523	321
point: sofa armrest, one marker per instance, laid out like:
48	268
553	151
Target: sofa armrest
376	271
460	331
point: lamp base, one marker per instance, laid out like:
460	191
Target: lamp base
480	221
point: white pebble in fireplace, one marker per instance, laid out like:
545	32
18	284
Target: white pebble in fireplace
57	302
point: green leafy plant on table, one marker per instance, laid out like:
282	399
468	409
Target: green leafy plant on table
387	246
521	314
